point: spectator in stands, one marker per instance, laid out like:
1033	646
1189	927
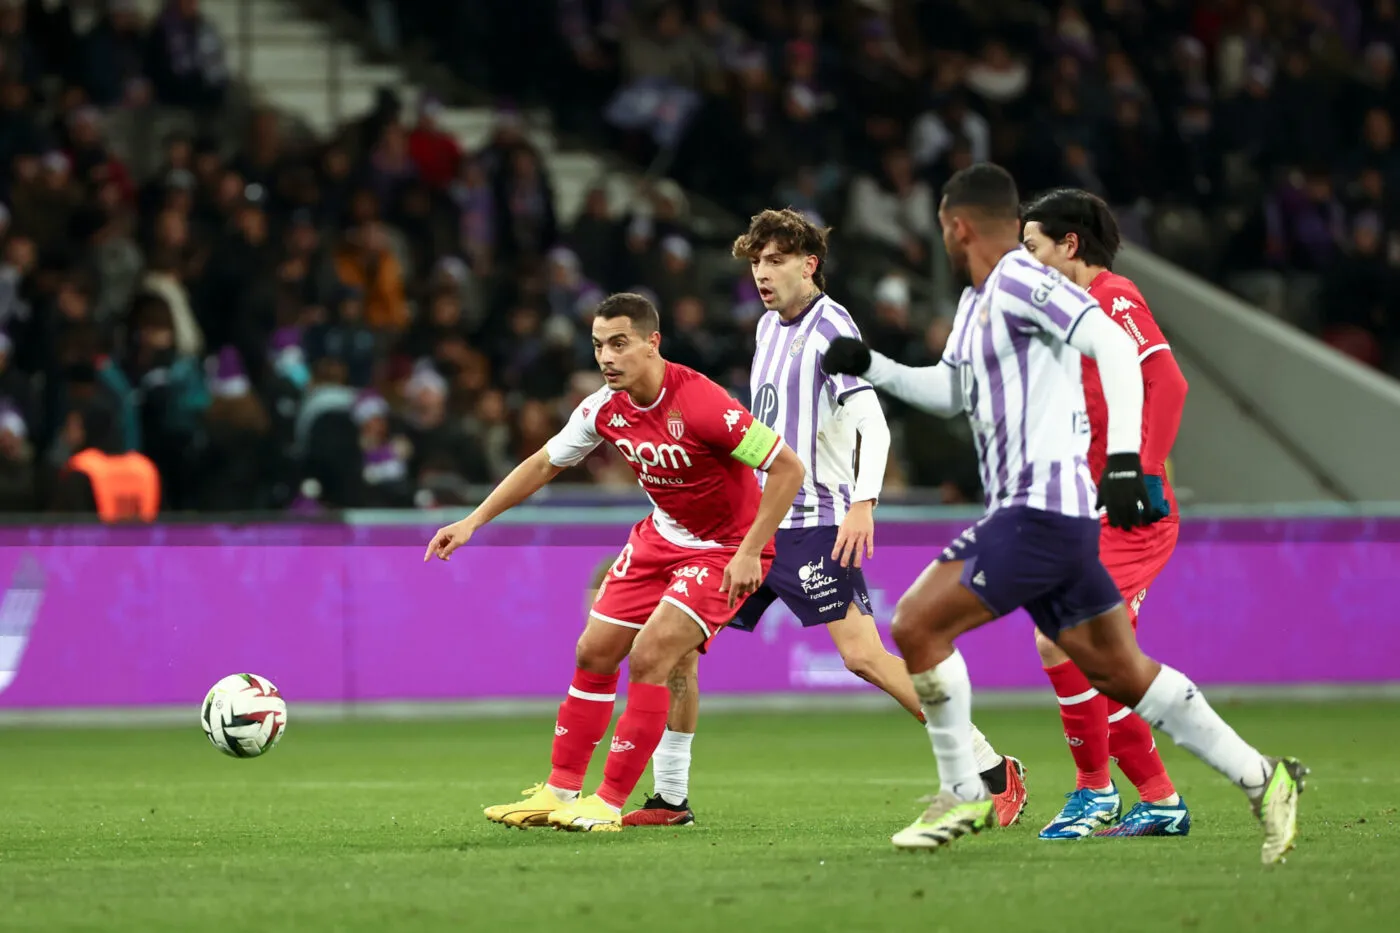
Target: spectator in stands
19	58
894	212
385	479
890	331
44	202
110	61
364	261
690	342
439	444
594	236
434	151
237	452
675	276
18	492
525	215
344	336
475	200
262	159
1360	287
185	58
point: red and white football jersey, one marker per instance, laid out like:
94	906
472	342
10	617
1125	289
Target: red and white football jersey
1121	301
694	451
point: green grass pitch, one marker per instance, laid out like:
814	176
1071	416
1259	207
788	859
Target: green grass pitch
377	826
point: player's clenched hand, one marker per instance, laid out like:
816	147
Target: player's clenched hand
1122	492
846	356
448	539
742	576
856	539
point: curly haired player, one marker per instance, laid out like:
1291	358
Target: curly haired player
837	429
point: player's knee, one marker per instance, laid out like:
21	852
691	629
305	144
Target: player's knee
910	627
593	656
650	664
1125	680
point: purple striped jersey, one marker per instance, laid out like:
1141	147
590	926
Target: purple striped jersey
792	395
1022	388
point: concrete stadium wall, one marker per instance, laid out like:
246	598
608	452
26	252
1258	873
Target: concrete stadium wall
1320	420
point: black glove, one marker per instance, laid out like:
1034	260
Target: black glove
846	356
1123	493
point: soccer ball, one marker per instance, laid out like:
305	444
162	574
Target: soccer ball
244	715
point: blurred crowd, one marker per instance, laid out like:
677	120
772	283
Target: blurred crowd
1253	142
378	319
383	319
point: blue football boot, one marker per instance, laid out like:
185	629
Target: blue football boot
1151	819
1085	811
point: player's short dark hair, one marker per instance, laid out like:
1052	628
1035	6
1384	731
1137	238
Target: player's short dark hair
790	232
984	187
1072	210
636	308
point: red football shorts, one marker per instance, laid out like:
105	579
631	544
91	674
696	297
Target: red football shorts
1135	558
651	570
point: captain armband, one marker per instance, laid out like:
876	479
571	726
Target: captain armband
759	442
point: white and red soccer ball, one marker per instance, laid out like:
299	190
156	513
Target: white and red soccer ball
244	715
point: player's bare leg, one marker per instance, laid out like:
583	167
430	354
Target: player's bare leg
670	634
669	805
583	721
858	641
934	612
1105	648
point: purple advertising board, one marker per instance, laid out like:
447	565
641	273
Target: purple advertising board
119	617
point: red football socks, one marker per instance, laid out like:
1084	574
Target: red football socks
583	721
638	732
1131	744
1084	712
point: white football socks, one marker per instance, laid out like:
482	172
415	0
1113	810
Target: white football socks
1176	706
670	766
987	757
565	796
945	695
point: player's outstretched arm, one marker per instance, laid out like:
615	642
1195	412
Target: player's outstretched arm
933	389
1122	490
520	484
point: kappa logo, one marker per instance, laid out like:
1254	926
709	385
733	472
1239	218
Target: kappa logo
620	745
680	586
617	421
1121	304
560	730
731	418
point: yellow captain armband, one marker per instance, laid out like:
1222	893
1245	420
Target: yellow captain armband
759	441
